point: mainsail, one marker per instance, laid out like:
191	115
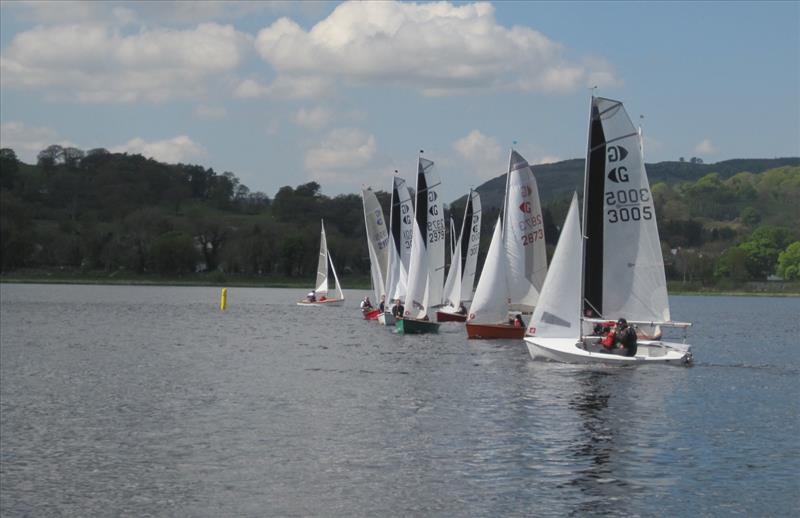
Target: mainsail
321	289
426	268
461	278
524	235
623	270
401	221
377	241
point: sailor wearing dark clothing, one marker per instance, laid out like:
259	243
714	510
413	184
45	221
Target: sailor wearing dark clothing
382	305
625	338
398	309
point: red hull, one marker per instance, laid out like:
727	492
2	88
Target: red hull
371	315
485	331
443	316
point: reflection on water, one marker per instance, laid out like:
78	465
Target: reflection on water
150	401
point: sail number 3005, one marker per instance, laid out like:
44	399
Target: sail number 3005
628	201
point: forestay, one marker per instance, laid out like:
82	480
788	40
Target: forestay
623	268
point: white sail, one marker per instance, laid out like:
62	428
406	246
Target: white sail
377	241
524	235
401	227
452	285
490	303
339	292
426	267
416	303
430	217
471	247
321	285
558	311
458	287
621	210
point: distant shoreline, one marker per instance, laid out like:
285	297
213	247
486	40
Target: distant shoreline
356	283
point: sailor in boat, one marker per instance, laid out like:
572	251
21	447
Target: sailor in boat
461	309
398	309
622	339
366	305
382	305
518	322
311	297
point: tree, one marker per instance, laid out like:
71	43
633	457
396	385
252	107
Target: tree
9	168
174	253
73	157
50	157
789	262
16	232
762	249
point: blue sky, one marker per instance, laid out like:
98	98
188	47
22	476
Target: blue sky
283	93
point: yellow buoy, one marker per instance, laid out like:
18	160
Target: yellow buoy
223	299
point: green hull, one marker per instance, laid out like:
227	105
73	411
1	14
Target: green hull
410	326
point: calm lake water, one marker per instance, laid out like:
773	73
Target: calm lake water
149	401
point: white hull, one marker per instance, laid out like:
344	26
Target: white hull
386	319
569	350
320	303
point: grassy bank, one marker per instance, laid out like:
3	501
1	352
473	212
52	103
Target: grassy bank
203	279
766	289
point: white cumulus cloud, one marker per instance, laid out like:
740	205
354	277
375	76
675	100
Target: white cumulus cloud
437	48
705	147
342	148
92	62
172	151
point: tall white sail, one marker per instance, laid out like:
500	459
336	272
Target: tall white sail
401	227
490	303
458	287
524	235
321	285
471	245
558	311
430	218
452	285
426	267
624	268
377	241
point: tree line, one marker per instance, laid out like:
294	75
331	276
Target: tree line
97	211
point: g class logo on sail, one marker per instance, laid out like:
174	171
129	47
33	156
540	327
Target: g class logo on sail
525	207
618	174
616	153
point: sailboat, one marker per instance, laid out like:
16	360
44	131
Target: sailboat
464	259
378	247
401	221
426	265
516	264
616	269
320	293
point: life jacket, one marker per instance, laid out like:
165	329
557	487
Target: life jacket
608	339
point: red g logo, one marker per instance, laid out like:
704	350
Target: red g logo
525	207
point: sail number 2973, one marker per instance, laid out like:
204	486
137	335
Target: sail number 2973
625	205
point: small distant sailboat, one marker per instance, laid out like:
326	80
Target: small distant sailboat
426	266
460	281
516	264
616	269
319	297
378	247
